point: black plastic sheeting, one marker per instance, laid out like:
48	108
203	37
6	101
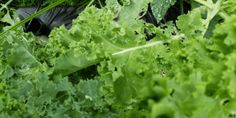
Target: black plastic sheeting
55	17
58	16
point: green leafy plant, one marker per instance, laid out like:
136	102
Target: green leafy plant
103	66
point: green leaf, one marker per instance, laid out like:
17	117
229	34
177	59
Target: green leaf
132	11
191	24
123	90
160	7
91	89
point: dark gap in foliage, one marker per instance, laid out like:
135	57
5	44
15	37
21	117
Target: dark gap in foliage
4	24
174	11
172	92
120	2
232	115
115	69
4	11
149	17
156	83
89	72
171	15
84	74
100	3
211	89
166	44
149	35
143	105
73	78
214	21
225	102
62	96
183	58
156	98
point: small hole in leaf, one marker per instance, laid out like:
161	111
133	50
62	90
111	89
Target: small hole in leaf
172	92
232	115
225	102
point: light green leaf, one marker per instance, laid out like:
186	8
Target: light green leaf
160	7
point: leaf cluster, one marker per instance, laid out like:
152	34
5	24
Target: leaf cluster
103	66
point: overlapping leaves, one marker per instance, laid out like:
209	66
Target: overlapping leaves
177	74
